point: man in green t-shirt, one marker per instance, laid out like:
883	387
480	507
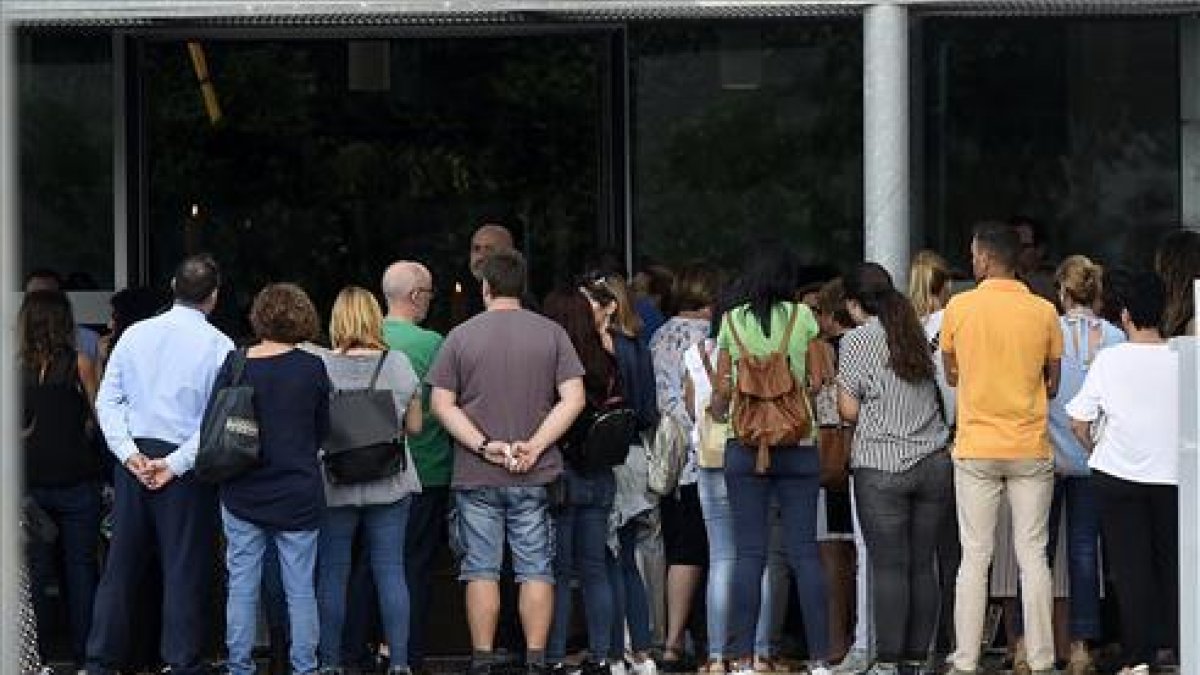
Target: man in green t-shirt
408	290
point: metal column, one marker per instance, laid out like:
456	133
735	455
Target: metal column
1189	120
1189	501
886	179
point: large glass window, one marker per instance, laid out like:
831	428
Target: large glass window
747	129
65	100
323	161
1072	122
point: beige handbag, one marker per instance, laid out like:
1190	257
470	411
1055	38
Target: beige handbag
711	451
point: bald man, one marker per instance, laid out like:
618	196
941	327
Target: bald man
408	290
488	239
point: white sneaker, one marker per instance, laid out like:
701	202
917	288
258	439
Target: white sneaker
647	667
617	667
856	662
819	669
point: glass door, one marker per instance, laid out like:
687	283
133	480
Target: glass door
321	161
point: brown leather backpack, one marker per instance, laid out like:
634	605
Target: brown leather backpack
770	408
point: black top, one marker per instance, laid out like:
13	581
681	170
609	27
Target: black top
291	401
58	452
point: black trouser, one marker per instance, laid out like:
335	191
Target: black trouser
75	509
901	516
1140	522
182	518
427	534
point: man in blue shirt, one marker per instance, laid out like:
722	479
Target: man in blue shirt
150	405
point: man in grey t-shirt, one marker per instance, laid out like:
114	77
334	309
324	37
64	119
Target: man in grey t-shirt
506	385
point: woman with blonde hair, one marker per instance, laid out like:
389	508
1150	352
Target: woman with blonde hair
930	284
360	360
1079	283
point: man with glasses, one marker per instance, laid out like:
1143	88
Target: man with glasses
408	291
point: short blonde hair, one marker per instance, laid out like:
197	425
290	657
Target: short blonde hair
927	280
356	320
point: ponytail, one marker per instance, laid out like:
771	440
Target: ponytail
909	354
908	348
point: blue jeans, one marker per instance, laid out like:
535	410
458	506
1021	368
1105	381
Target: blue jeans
793	479
384	526
581	542
722	555
1077	494
76	512
484	518
629	591
245	544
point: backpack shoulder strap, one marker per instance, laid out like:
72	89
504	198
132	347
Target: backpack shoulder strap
737	338
378	369
787	334
239	365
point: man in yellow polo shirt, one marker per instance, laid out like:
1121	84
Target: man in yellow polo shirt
1002	344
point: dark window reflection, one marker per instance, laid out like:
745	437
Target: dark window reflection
745	129
333	158
65	129
1075	122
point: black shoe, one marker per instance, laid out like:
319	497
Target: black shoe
537	669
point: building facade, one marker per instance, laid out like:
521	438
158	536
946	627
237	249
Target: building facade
317	142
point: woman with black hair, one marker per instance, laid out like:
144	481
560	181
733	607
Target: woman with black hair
767	320
620	327
581	524
902	472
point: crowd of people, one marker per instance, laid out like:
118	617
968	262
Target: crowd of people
899	458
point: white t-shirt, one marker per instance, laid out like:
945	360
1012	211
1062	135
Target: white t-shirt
933	329
1136	387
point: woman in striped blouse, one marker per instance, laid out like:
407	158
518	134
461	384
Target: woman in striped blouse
902	472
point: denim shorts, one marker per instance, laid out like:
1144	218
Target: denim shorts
483	518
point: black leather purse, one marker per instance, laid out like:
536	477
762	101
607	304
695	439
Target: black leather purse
229	445
365	440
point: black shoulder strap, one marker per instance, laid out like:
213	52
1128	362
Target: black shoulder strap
239	364
378	369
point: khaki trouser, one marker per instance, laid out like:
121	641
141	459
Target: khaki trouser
979	485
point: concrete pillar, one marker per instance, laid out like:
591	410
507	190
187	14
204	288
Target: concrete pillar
11	552
886	178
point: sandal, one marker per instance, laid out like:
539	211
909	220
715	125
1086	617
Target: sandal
767	665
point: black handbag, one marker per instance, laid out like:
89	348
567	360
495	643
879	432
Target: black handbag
229	445
365	441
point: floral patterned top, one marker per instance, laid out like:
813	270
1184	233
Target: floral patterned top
667	349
